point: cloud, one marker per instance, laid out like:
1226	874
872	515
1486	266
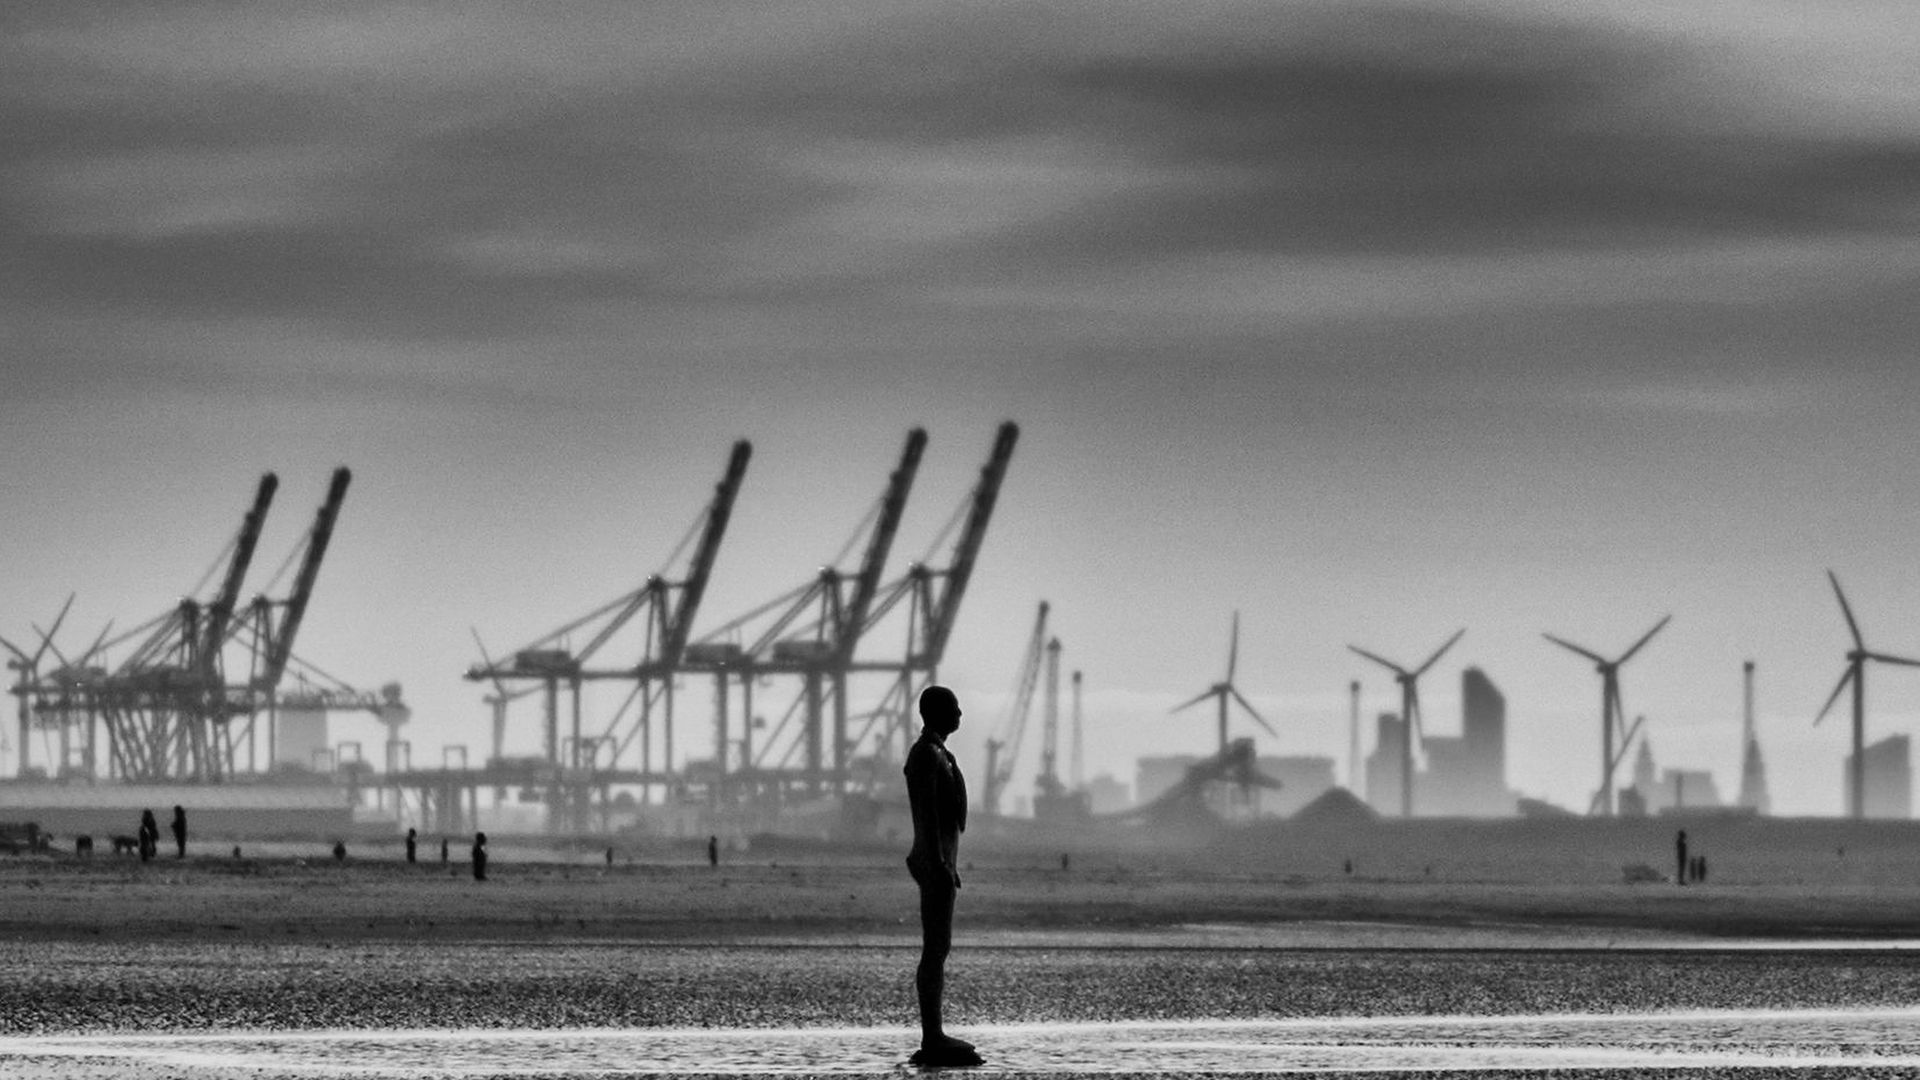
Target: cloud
407	172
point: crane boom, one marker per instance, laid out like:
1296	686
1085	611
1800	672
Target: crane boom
219	613
700	571
317	539
941	615
893	503
1004	751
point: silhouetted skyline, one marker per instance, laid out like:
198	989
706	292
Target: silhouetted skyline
1369	321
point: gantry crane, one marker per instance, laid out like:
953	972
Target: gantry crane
812	634
662	610
1003	748
931	596
171	710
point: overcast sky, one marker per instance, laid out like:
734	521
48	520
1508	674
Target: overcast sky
1369	320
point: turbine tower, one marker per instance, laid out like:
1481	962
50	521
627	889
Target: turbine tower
1409	710
1856	674
1612	712
1225	689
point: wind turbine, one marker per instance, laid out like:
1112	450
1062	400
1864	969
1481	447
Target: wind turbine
1409	710
1225	689
1612	713
29	669
1856	674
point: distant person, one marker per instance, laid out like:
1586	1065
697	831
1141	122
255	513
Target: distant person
1065	862
236	852
479	856
413	846
149	836
713	851
444	857
340	851
609	857
179	828
1699	869
83	846
1680	856
937	796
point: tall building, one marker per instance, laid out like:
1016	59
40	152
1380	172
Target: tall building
1383	766
1467	776
1889	778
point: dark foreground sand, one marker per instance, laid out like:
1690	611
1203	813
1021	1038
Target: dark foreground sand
213	944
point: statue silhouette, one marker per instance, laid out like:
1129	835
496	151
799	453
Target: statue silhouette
937	794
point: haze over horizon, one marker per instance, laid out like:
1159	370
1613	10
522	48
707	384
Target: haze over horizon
1369	320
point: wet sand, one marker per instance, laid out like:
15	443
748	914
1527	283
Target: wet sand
263	950
217	898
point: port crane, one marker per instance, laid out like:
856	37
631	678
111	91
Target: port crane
930	596
176	707
812	634
1003	749
659	613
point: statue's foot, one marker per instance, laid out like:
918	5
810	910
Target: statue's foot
945	1052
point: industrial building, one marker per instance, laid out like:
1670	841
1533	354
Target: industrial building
1464	775
1887	769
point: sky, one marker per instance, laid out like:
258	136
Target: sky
1369	321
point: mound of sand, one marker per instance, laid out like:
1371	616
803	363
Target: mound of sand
1336	806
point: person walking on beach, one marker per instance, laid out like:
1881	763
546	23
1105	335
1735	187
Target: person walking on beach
413	846
1680	856
149	836
937	796
713	851
180	831
479	856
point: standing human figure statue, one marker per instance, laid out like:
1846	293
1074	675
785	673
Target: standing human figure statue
149	836
479	856
180	831
937	794
1680	856
413	846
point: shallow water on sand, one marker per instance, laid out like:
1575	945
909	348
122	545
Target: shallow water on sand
1707	1042
204	1010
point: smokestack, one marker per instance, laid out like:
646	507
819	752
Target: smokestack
1079	781
1353	740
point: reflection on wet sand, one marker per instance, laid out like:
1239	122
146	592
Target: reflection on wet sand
1879	1039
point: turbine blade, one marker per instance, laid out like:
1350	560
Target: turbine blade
1195	700
46	639
1381	660
1253	712
46	645
1847	610
1435	658
1644	638
14	649
1839	688
1233	647
1886	659
1565	644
